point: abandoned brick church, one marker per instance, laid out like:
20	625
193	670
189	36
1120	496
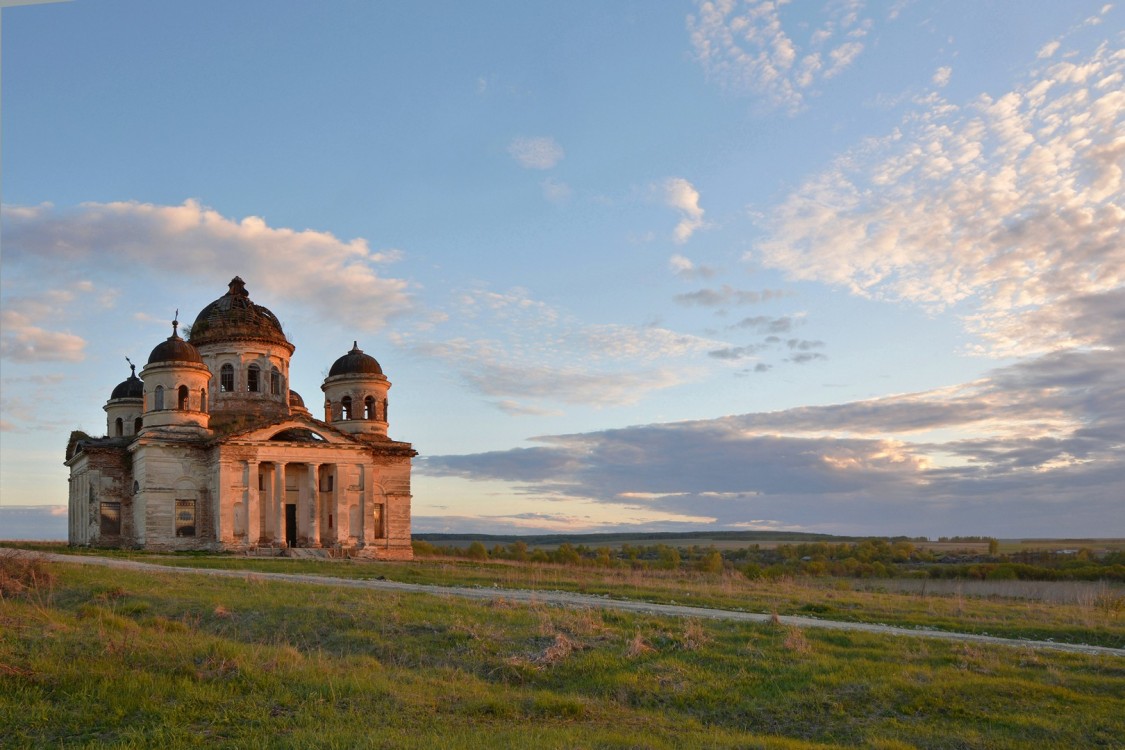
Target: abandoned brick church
210	449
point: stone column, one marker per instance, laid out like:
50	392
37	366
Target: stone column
314	504
253	503
339	515
279	500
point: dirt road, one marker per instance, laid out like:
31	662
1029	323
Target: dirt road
568	599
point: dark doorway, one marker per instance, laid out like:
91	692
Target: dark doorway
291	524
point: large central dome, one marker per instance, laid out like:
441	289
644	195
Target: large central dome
234	317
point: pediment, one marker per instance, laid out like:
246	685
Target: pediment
293	430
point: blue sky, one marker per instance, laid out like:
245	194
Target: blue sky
842	267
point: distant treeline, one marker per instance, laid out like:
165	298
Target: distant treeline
593	540
869	558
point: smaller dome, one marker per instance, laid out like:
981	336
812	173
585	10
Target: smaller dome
133	387
174	349
355	362
296	400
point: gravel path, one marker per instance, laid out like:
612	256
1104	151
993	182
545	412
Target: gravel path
568	599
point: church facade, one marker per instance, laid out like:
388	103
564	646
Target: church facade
209	449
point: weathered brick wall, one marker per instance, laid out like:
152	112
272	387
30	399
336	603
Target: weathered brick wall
101	475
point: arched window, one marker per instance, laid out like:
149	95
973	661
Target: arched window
369	407
226	378
346	407
252	381
203	399
158	398
275	382
138	423
120	427
182	401
385	402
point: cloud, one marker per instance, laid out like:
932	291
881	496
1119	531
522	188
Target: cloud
556	192
746	49
1008	208
23	337
33	522
538	353
682	196
735	352
766	324
727	295
684	268
516	409
337	280
1047	457
542	152
23	341
942	76
1048	49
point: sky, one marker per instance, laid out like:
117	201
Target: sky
841	267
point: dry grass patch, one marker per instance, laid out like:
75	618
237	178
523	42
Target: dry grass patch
638	646
796	642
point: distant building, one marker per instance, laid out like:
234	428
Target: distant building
210	449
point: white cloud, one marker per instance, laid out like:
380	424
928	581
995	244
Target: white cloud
28	324
942	76
1008	207
23	341
682	196
541	152
517	409
745	47
555	191
685	268
1048	49
338	280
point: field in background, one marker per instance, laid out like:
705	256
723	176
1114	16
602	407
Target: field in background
91	656
770	540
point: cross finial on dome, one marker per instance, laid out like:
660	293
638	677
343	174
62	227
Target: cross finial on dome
176	324
132	368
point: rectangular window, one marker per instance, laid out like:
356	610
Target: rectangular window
111	519
326	483
185	518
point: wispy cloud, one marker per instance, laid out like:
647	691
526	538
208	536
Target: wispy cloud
728	295
685	268
1009	207
540	152
539	354
745	47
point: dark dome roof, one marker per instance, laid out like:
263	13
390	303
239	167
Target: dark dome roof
233	316
174	349
355	362
295	399
134	387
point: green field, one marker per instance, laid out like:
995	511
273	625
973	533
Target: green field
92	657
